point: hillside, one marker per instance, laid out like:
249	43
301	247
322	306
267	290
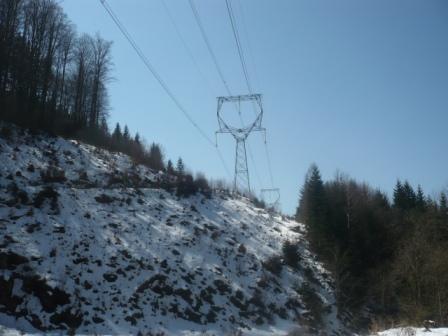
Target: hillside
89	242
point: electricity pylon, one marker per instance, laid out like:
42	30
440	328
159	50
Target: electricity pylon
241	180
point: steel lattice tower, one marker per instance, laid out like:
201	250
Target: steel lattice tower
241	181
241	177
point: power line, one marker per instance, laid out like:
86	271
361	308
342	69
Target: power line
151	68
207	43
238	44
246	75
249	46
221	75
185	45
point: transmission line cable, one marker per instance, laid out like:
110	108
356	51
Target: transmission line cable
246	75
238	44
221	75
207	43
187	48
155	74
249	46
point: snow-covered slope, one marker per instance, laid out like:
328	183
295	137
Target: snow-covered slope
409	331
89	242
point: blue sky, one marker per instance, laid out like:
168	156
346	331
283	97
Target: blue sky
352	85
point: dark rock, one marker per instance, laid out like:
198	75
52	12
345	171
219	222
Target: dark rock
66	317
192	316
184	294
97	320
105	199
50	298
7	299
157	284
110	277
10	260
222	286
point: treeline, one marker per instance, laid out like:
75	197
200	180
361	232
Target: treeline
50	77
53	79
389	258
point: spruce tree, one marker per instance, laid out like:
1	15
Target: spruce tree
443	218
312	208
156	157
399	198
180	168
170	167
137	139
117	137
117	132
443	208
420	199
126	133
137	148
410	196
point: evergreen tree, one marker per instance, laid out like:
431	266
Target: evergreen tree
156	157
399	196
170	168
180	168
410	196
420	199
126	134
137	148
405	197
443	207
443	218
116	135
137	139
312	208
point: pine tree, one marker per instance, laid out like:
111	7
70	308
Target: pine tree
405	197
137	139
399	198
126	134
156	157
443	207
443	218
137	148
116	135
170	167
312	208
410	196
420	199
180	168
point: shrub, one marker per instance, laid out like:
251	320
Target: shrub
258	203
273	264
47	192
313	302
104	199
186	186
242	249
17	193
53	175
290	253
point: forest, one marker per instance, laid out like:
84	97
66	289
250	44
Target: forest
388	257
55	80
